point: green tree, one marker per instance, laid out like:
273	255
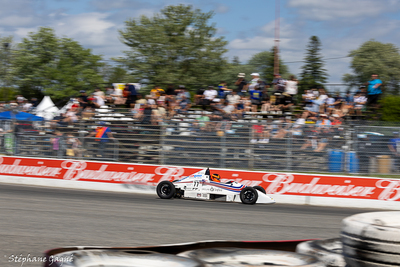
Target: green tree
6	47
59	67
263	63
175	46
313	73
374	57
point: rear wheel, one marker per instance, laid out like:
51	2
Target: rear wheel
166	190
248	195
259	188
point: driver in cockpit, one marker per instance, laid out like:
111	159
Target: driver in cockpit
215	178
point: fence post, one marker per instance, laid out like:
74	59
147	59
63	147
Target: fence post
223	146
250	150
162	143
289	152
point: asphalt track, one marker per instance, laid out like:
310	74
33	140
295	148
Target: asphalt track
35	219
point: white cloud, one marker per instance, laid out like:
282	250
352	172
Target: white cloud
337	9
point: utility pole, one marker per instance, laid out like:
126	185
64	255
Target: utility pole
276	47
5	82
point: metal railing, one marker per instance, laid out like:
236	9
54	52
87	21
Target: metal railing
244	144
65	147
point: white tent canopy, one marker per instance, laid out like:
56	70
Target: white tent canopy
47	109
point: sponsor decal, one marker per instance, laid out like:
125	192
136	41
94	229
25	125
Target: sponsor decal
148	175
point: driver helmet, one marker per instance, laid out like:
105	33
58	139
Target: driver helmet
215	177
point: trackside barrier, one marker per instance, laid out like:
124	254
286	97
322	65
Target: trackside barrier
293	188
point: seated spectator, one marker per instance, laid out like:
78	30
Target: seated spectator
182	91
217	110
210	95
97	100
145	114
287	102
323	120
265	102
336	120
71	117
330	104
98	92
156	91
283	129
199	96
223	90
241	84
88	113
83	99
360	100
74	146
291	87
233	98
255	97
308	98
348	106
203	122
27	106
247	105
229	111
170	91
184	105
162	99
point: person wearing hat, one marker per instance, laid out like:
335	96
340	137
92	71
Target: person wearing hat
254	81
241	84
102	134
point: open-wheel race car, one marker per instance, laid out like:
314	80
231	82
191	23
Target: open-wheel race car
203	186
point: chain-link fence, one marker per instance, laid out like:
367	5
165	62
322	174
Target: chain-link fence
250	144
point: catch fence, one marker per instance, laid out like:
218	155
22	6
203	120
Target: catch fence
270	145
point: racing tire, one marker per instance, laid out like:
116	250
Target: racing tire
329	251
259	188
248	195
371	239
222	256
166	190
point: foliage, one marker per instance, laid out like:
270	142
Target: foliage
263	63
5	67
391	108
374	57
58	67
176	46
313	73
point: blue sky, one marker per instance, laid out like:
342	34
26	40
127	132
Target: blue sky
248	26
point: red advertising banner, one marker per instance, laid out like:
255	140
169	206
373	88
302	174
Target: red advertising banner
274	183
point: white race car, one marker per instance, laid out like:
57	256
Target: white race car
200	186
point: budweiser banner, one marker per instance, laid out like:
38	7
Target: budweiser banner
137	174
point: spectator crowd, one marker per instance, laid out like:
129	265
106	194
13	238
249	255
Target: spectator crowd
222	105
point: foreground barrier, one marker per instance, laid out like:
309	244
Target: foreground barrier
312	189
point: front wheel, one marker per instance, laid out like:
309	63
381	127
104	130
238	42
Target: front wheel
248	195
166	190
259	188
